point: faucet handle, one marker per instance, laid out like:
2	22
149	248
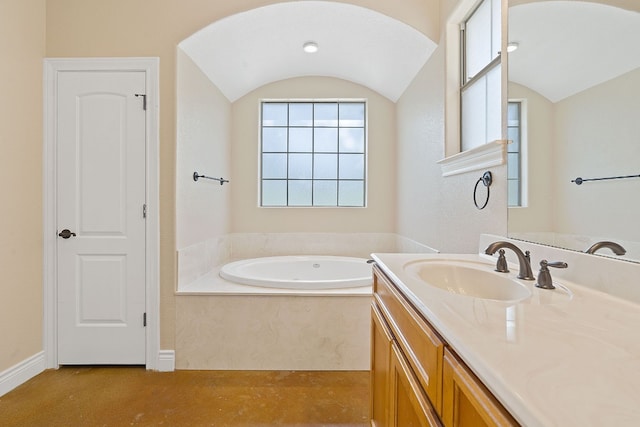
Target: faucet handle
544	276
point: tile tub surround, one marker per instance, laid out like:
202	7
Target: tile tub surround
202	258
224	325
569	362
272	332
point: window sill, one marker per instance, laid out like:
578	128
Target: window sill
482	157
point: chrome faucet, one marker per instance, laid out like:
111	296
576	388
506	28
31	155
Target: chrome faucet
525	272
616	248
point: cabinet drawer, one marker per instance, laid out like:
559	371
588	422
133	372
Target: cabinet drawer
418	341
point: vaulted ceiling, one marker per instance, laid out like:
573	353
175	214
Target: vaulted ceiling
245	51
566	47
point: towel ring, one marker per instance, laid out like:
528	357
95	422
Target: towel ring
486	179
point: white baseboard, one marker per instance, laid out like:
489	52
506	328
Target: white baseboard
34	365
167	361
21	372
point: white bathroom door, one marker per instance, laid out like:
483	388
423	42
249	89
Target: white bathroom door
100	217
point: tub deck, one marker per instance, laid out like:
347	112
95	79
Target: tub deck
212	284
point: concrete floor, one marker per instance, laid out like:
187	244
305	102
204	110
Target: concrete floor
132	396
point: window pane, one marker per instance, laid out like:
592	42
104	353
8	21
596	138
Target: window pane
325	166
351	193
352	140
299	193
300	139
351	166
274	193
274	165
274	140
325	193
325	114
513	166
494	105
352	115
513	189
513	135
513	112
474	115
478	40
299	166
274	114
325	140
300	114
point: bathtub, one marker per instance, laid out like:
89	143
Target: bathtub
300	272
287	313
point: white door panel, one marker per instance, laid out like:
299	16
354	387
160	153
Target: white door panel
101	193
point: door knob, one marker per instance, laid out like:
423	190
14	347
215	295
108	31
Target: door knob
65	234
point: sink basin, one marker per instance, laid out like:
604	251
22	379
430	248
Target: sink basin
468	278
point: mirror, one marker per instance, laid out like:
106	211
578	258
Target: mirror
576	74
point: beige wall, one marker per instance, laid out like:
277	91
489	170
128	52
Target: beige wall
87	28
96	28
598	135
378	216
537	215
435	210
591	134
203	145
22	46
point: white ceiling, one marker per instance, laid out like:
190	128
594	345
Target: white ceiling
245	51
569	46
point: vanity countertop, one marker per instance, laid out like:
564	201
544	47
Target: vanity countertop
565	357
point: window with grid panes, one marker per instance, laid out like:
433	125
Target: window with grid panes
514	154
480	93
313	153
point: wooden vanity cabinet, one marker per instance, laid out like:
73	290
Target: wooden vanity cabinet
406	362
397	398
381	340
408	405
467	402
416	380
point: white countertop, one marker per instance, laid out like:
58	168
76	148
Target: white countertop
565	357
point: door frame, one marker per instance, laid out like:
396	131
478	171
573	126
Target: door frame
52	68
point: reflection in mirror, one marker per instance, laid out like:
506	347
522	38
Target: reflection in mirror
574	91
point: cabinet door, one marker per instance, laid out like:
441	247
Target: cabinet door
420	344
409	404
466	402
380	358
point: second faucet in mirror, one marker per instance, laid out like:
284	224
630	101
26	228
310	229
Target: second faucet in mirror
616	248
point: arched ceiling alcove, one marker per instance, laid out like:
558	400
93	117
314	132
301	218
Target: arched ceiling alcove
566	47
248	50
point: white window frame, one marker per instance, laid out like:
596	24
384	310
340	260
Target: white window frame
524	154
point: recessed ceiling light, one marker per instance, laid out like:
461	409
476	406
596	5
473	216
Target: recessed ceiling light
511	46
310	47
